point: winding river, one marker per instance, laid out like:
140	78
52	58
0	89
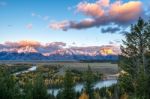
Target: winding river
77	87
33	68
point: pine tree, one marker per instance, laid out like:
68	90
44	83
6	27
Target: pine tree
9	88
88	78
68	86
133	60
28	90
39	88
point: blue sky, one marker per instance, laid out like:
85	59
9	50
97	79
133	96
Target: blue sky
37	19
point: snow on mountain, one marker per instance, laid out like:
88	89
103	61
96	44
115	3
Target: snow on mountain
27	49
57	50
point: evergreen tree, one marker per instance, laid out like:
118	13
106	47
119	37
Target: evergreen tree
89	78
39	88
28	90
134	63
9	88
68	86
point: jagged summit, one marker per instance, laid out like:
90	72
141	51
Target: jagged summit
54	51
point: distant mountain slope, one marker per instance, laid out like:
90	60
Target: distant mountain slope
26	50
54	57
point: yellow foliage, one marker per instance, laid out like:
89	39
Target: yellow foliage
109	92
84	96
124	96
96	95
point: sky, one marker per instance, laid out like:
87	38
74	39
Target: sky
75	22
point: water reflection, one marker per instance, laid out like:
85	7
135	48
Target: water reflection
79	87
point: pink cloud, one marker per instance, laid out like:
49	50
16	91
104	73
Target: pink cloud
60	25
127	11
103	3
23	43
28	43
32	46
102	13
90	9
65	25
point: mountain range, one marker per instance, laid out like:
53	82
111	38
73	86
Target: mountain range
56	51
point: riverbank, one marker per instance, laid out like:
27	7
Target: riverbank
79	87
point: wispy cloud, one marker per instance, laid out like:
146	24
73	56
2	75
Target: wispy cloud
29	26
45	18
102	13
33	14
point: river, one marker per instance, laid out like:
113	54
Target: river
78	87
33	68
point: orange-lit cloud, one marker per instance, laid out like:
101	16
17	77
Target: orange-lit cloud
90	9
102	13
103	3
125	12
32	46
60	25
23	43
28	43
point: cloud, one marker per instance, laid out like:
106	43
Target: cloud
23	43
65	25
69	8
90	9
60	25
58	44
45	18
34	44
102	13
103	3
126	12
110	29
28	45
33	14
29	26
